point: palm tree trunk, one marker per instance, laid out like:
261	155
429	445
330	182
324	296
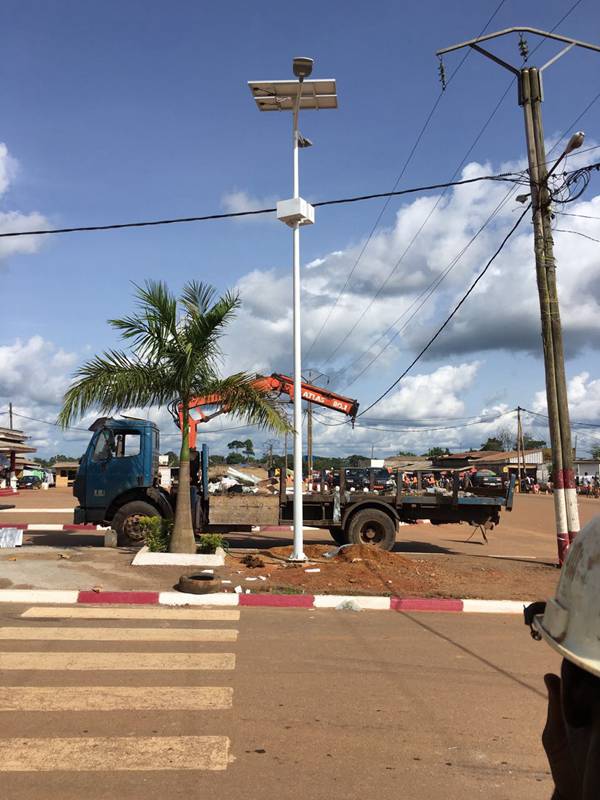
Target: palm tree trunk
182	539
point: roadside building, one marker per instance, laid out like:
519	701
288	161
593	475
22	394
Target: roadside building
589	465
502	463
12	448
66	472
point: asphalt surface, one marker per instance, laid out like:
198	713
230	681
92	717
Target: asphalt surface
316	704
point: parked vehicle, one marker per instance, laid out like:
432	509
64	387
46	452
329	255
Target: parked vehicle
29	482
118	481
486	478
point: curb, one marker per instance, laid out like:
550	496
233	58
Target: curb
308	601
51	526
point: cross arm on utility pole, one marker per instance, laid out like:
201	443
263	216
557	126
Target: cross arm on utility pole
530	99
546	34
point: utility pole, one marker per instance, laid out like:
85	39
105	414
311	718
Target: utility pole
530	96
519	440
309	440
10	416
310	376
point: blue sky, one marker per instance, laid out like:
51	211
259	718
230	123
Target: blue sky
134	110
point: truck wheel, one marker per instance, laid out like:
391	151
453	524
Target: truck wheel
339	536
125	521
372	526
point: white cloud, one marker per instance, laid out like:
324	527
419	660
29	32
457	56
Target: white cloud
502	313
34	371
13	221
237	201
584	398
432	395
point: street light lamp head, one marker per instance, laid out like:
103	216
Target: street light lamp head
574	142
302	67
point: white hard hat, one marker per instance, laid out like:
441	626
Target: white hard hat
571	621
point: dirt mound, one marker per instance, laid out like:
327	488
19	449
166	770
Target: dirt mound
355	553
311	551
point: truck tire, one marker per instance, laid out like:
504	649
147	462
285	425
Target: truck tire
372	526
339	535
124	521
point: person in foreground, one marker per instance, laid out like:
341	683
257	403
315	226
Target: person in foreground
570	624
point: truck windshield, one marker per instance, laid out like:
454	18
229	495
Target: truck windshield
103	446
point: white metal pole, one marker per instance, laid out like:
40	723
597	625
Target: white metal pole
298	554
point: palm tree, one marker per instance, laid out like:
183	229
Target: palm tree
173	357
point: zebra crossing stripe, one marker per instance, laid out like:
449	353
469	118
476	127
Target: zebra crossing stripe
116	661
151	612
120	634
114	753
115	698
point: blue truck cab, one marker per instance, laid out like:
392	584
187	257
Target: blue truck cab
118	476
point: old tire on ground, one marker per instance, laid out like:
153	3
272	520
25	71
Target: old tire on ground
125	521
372	526
339	535
198	583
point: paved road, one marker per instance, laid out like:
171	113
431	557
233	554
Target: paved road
297	704
527	531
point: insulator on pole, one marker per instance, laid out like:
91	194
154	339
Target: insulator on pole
442	73
523	47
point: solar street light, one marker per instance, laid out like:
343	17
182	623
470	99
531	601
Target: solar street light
295	96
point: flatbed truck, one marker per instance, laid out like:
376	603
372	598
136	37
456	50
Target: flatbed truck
118	481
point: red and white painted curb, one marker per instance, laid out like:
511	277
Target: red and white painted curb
309	601
45	526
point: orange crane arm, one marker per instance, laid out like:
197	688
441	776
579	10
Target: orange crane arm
276	383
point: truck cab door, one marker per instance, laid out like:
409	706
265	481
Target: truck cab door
97	469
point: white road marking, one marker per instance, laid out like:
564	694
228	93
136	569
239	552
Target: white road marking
121	634
36	511
115	698
117	661
108	753
38	596
148	612
210	599
494	606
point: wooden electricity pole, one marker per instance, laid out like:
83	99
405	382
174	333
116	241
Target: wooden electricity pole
529	81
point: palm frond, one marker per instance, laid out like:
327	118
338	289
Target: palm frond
153	327
113	381
196	297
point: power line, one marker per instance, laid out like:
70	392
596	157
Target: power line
425	294
47	422
572	214
484	421
453	312
577	233
416	235
573	422
398	179
507	176
432	211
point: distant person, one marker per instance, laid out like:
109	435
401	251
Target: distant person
569	624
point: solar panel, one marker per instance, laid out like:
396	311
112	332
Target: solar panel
281	95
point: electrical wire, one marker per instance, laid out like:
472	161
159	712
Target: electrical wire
506	176
47	422
397	181
573	422
577	233
452	313
481	421
434	208
572	214
389	276
425	294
